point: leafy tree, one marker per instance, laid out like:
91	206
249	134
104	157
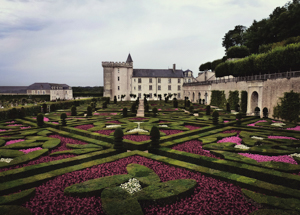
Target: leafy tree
234	37
238	52
122	97
205	66
290	107
215	63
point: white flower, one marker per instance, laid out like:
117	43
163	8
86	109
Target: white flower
162	126
258	138
241	146
137	130
219	109
279	124
132	186
7	160
295	154
113	126
235	113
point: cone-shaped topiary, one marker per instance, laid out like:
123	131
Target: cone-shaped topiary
40	120
133	108
237	108
89	111
118	138
228	107
265	112
63	117
155	136
203	101
104	105
191	109
22	113
154	110
146	108
215	116
115	99
208	110
238	117
45	108
73	111
124	112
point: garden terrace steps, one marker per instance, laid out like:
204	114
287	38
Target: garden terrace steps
242	181
248	170
140	110
56	164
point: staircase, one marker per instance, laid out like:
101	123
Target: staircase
140	111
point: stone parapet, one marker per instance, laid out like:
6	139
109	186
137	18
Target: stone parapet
116	64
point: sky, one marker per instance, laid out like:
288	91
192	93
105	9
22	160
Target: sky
66	41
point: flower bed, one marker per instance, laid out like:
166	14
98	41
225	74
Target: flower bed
137	138
266	158
26	151
85	127
233	139
253	124
170	132
192	127
13	141
297	128
211	196
195	147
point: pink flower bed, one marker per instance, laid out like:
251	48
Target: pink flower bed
282	137
45	119
105	132
25	127
192	127
26	151
231	131
11	122
233	139
137	138
170	132
48	158
4	130
15	125
195	147
159	109
85	127
13	141
115	122
266	158
68	113
210	196
253	124
297	128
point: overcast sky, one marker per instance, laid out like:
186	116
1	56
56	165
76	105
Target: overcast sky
65	41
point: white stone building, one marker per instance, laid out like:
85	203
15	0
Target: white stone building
56	91
121	79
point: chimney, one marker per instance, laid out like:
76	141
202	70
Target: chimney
174	67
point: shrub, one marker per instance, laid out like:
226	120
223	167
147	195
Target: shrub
52	107
244	101
115	99
208	110
191	109
188	103
203	101
215	116
238	52
289	109
257	110
124	112
265	112
73	111
218	98
175	104
228	107
146	107
92	105
118	138
154	110
104	105
13	113
155	136
133	108
89	111
22	113
238	117
233	99
166	99
63	117
45	108
237	108
40	120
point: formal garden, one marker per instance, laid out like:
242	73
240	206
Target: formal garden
96	156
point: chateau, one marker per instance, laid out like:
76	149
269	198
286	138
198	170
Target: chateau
121	79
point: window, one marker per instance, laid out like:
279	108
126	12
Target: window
140	95
134	88
140	87
118	87
178	95
189	80
158	87
118	78
150	95
33	91
159	80
169	80
38	92
134	80
150	87
44	92
178	80
139	80
118	96
118	70
169	87
150	80
179	87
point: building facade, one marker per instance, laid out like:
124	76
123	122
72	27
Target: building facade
120	78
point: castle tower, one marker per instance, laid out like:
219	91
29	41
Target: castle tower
117	79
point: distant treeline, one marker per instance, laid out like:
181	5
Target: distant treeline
87	91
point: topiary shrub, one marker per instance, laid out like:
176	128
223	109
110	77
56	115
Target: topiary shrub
191	109
237	108
238	117
188	103
215	116
256	111
244	101
124	112
89	111
154	110
63	117
92	105
40	120
13	113
73	111
175	103
155	136
203	101
133	108
104	105
45	108
118	139
208	110
22	113
265	112
228	108
115	99
52	107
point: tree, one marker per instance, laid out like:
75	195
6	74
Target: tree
234	37
204	67
290	107
122	97
238	52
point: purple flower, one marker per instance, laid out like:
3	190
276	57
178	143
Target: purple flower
297	128
137	138
170	132
84	127
233	139
253	124
13	141
25	127
266	158
192	127
282	137
26	151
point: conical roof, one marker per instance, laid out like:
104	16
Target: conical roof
129	59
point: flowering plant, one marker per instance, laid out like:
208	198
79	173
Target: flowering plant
132	186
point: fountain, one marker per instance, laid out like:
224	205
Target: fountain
138	129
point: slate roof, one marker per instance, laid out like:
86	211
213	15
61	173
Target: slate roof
13	89
163	73
129	59
46	86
